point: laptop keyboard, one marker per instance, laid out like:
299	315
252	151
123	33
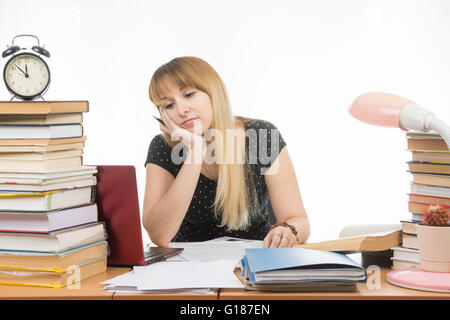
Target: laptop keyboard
148	254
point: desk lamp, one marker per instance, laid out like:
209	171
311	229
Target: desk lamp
385	109
389	110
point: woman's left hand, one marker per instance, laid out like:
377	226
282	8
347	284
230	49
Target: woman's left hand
280	237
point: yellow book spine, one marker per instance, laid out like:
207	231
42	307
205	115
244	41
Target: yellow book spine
44	285
21	195
55	270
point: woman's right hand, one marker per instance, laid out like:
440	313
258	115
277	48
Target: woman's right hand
192	140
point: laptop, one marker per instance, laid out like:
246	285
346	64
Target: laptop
118	207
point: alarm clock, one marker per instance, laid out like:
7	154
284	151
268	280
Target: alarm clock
26	74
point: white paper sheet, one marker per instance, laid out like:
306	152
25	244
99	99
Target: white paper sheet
173	275
221	248
201	266
128	282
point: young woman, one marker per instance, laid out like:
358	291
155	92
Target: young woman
210	174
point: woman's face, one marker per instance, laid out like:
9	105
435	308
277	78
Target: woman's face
184	105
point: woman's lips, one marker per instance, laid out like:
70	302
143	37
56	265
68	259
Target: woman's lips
189	122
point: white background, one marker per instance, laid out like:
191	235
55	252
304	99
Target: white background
298	64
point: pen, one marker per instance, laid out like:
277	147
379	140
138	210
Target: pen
160	121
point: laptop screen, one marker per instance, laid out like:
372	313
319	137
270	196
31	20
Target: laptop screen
118	207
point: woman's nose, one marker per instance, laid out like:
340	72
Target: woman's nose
183	108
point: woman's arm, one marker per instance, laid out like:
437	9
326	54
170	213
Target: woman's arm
286	202
167	200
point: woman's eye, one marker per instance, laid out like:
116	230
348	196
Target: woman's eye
168	105
190	94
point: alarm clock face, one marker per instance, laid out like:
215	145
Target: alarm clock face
26	76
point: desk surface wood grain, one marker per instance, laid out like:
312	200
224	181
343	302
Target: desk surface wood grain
386	291
165	296
90	289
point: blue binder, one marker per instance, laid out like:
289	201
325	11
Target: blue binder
263	260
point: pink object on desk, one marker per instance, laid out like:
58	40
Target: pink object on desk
418	279
378	108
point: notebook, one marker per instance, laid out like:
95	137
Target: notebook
118	207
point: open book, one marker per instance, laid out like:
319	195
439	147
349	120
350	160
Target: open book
360	238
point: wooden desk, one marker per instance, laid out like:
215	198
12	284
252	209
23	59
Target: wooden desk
387	291
165	296
90	289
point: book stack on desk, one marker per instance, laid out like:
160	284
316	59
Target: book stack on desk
297	269
407	255
430	171
48	219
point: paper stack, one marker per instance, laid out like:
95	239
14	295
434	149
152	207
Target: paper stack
208	264
49	229
297	269
167	277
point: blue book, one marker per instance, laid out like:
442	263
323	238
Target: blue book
287	265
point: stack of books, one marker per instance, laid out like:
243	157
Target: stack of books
430	170
298	269
407	254
49	229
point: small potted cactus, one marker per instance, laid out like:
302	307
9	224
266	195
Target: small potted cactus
433	235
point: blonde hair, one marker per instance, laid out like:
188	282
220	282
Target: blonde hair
236	195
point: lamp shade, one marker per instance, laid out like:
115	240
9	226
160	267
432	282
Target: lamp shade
379	108
389	110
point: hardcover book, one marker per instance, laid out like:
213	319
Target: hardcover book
35	201
52	279
40	261
42	107
377	241
46	222
55	241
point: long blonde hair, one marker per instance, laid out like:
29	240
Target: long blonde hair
235	196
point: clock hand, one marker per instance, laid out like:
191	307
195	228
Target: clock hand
26	70
26	74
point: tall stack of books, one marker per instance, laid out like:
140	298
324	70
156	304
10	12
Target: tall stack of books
430	170
49	230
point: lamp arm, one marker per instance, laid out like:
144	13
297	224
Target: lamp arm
442	128
417	118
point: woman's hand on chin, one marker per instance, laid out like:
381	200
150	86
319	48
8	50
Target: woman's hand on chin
192	140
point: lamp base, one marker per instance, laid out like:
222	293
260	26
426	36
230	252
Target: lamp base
418	279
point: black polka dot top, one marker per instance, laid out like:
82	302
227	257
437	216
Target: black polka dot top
263	145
